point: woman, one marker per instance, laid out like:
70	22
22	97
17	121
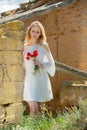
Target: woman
38	63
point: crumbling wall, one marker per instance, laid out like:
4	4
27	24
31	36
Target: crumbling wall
11	72
67	37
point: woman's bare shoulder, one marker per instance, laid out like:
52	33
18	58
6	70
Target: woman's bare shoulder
45	46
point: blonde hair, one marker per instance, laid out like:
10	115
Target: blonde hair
42	37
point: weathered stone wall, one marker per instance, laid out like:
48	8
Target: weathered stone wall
11	72
67	38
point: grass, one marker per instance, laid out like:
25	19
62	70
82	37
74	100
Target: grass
70	119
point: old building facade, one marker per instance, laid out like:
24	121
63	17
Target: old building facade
67	37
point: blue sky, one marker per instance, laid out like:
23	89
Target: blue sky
6	5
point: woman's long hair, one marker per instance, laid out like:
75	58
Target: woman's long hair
42	37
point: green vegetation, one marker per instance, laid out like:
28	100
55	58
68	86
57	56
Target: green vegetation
69	119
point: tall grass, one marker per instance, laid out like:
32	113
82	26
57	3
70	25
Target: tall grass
70	119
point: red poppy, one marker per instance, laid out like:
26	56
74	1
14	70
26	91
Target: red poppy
27	58
35	53
28	54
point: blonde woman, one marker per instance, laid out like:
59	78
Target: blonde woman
38	64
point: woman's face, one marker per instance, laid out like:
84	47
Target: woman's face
35	33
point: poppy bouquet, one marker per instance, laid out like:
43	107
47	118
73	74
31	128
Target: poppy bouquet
33	56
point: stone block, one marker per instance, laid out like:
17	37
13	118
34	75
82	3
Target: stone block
1	74
11	43
15	72
13	113
1	57
2	112
14	25
11	73
19	34
19	112
11	92
7	93
11	57
18	92
1	31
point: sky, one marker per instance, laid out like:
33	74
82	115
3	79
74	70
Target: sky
6	5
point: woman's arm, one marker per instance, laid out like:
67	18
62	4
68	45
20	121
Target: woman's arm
48	61
48	58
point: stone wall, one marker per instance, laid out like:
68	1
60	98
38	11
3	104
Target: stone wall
11	72
67	38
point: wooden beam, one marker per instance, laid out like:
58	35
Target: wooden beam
37	11
68	69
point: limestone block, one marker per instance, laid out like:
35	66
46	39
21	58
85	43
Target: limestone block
11	92
1	74
1	57
7	93
1	31
11	73
5	76
15	72
11	57
11	43
13	113
0	42
2	112
19	112
14	25
19	34
18	92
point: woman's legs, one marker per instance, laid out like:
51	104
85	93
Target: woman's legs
33	105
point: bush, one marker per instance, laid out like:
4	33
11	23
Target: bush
70	119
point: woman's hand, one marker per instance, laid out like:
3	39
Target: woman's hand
37	63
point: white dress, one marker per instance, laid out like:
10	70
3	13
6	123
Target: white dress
37	87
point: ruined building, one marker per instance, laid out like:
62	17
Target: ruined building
65	22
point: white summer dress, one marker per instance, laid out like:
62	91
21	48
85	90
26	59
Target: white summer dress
37	87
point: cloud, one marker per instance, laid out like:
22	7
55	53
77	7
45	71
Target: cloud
7	5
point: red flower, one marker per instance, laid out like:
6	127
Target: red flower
27	58
35	53
29	54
